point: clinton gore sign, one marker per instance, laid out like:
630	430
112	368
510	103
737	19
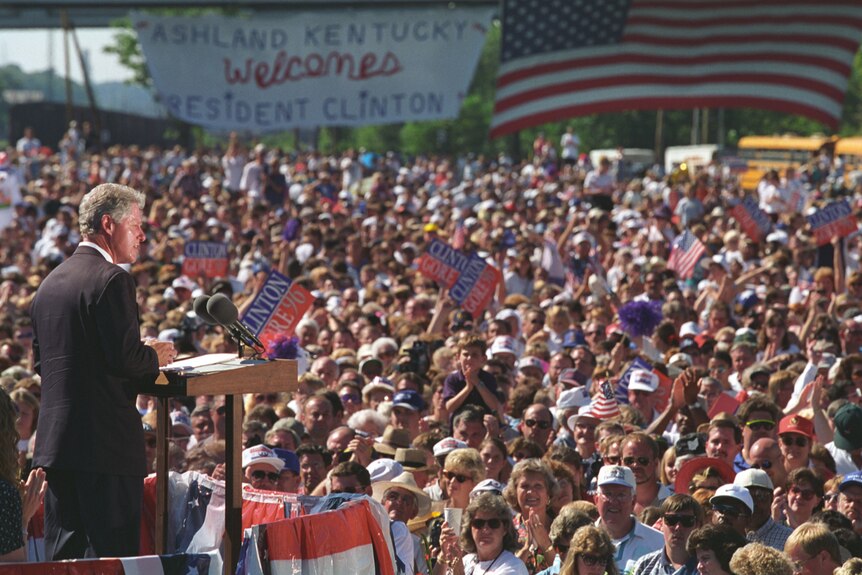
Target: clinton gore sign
308	69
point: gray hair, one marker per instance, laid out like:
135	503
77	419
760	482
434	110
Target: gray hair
367	416
111	199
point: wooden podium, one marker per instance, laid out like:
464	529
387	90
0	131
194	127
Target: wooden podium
217	374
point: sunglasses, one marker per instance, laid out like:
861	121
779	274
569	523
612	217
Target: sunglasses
789	440
541	424
592	560
726	510
686	520
349	398
642	461
806	494
491	523
760	425
260	475
612	459
452	476
764	465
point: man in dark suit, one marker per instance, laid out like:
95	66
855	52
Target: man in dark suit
88	350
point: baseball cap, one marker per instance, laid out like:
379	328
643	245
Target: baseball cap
261	454
571	376
796	424
732	491
616	475
410	399
678	359
753	478
691	444
487	485
574	397
530	361
384	469
291	461
447	445
689	329
848	427
504	344
854	478
643	380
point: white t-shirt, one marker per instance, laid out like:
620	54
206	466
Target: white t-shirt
843	462
505	564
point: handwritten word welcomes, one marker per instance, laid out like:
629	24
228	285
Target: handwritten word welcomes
287	68
266	73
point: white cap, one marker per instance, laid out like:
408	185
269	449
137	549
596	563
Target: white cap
447	445
504	344
583	411
531	361
753	478
689	328
616	475
384	470
643	380
574	397
261	454
584	237
779	236
680	358
731	491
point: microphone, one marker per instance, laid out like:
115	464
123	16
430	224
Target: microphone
201	310
225	313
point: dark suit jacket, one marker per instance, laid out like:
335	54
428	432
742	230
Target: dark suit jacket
88	350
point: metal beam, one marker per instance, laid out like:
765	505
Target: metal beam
22	14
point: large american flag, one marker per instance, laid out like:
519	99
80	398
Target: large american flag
567	58
685	252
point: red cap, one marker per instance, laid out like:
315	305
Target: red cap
796	424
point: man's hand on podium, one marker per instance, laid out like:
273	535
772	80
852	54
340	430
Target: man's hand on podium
165	350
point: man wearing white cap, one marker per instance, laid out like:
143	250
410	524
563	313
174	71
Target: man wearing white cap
732	505
762	528
568	404
641	394
261	467
615	501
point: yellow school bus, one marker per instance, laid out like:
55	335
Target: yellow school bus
850	152
764	153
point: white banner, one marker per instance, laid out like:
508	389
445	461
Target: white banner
308	69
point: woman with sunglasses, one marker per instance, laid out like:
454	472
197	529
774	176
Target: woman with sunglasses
591	552
462	470
487	536
801	498
530	491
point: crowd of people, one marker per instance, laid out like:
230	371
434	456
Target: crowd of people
606	413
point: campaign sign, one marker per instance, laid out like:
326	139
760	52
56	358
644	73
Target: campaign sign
833	221
663	390
208	259
278	307
754	222
470	279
